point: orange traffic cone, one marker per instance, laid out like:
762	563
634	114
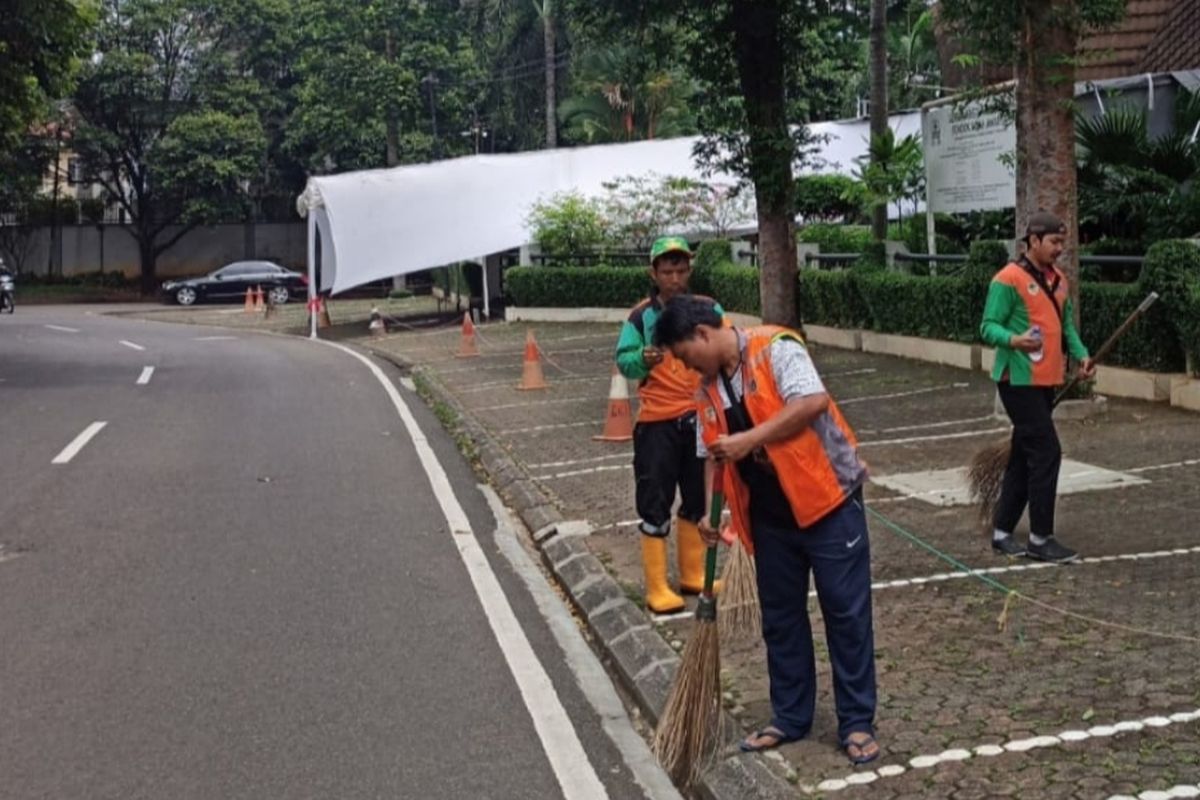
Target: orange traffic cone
467	347
618	425
258	299
323	320
532	377
249	307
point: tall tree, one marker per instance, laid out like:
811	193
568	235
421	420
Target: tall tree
551	54
879	103
41	44
741	52
158	127
381	82
1039	38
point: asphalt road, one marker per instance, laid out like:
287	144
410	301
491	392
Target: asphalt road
244	585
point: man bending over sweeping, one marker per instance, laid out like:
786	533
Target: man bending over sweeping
1029	320
796	502
664	451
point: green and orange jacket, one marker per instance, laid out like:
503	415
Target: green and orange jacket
668	391
1015	302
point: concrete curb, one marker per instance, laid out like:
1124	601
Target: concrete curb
643	662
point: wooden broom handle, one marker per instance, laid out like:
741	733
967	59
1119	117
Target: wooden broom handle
1111	342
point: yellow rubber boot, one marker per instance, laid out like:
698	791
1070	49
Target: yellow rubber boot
659	597
691	550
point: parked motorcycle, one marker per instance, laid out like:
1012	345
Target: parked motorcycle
7	290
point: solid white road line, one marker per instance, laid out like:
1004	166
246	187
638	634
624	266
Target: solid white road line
131	345
62	328
576	776
72	450
589	673
144	378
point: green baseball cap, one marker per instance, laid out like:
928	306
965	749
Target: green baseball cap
669	244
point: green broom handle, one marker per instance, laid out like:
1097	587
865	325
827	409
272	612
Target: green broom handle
1108	345
714	520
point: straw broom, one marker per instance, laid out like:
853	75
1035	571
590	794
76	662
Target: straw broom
985	475
686	737
739	615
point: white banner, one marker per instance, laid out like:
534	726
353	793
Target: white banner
968	157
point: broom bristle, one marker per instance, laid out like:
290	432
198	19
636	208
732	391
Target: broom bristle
985	477
739	616
686	737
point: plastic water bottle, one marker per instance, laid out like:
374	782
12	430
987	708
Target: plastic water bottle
1040	353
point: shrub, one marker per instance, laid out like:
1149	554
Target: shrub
400	294
829	197
567	224
709	255
933	307
831	298
576	287
837	238
1152	344
984	260
735	287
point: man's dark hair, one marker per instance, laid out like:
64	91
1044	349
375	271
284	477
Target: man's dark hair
680	318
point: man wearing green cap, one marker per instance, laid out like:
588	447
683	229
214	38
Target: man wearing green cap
664	439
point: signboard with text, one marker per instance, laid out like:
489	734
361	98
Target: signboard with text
968	156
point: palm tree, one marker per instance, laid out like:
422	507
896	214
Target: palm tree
617	100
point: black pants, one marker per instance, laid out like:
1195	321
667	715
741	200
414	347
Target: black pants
664	456
1031	477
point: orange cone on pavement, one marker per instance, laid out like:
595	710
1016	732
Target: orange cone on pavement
531	376
618	424
258	299
249	307
467	347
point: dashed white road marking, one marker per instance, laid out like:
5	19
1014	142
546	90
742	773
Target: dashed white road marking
62	328
70	451
1183	790
144	378
1011	746
576	776
131	345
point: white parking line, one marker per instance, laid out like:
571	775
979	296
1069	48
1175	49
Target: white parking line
1182	790
926	425
1033	565
131	345
144	378
62	328
849	372
1174	465
1012	746
512	382
215	338
553	464
935	437
72	450
556	427
587	399
576	776
896	395
578	472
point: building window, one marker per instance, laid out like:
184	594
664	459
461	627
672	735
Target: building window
75	171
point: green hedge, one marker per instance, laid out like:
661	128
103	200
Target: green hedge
1152	344
837	238
735	287
576	287
831	298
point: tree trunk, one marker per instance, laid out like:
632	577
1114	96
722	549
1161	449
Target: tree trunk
1046	177
759	49
879	99
149	259
393	129
551	101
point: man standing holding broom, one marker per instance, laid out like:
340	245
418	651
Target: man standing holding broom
795	492
1030	322
664	438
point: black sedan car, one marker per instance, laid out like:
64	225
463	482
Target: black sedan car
230	282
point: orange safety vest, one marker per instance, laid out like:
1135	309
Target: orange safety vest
1040	310
817	469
